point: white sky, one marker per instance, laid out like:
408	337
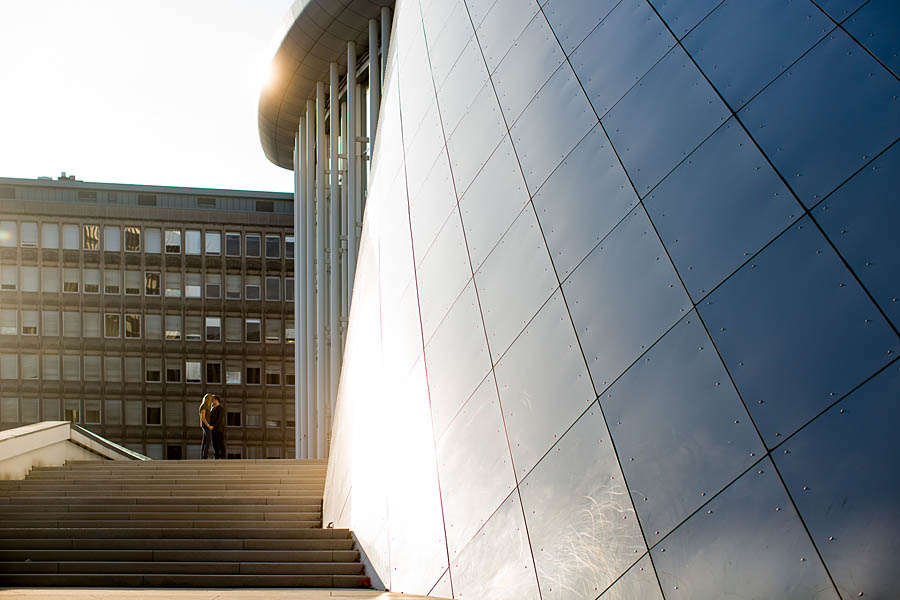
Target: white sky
159	92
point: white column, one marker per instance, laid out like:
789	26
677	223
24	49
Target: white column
374	84
345	228
300	347
350	180
385	38
321	358
309	157
334	360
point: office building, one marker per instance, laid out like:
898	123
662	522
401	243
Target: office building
121	305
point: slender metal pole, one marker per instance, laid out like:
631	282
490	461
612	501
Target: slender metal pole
300	387
345	229
309	156
374	83
321	374
350	181
334	360
385	38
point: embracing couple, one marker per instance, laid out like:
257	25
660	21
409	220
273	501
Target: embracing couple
212	423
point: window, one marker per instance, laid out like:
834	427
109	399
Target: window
112	240
232	244
273	374
173	371
50	323
132	325
191	241
233	329
290	377
253	374
9	278
233	373
91	239
289	242
92	412
290	331
213	372
253	330
151	283
252	247
206	202
70	236
72	411
8	234
51	409
254	419
173	327
152	240
113	412
29	322
132	239
133	369
152	370
193	285
30	366
50	367
154	415
192	371
134	410
49	235
29	234
72	324
92	368
72	280
213	243
50	279
71	367
213	329
273	330
133	283
92	281
288	289
152	326
213	285
112	368
9	321
232	287
9	366
91	321
173	241
112	282
273	288
174	412
31	279
265	206
273	246
193	329
173	285
31	408
9	410
112	325
233	418
146	199
252	287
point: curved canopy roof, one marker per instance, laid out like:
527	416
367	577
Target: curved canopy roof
316	33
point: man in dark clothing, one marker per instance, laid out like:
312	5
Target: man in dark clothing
217	425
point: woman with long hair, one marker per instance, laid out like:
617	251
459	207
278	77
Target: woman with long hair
205	408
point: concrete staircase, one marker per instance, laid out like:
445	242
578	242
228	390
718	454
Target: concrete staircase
177	524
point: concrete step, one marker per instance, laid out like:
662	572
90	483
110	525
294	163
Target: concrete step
176	531
134	492
173	477
219	516
145	523
314	509
187	545
199	568
230	556
217	501
241	462
168	580
155	486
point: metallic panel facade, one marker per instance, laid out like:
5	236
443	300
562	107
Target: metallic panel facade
625	319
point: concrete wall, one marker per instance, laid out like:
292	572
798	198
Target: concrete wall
625	318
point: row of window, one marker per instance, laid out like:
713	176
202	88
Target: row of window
151	326
136	369
172	284
109	412
152	240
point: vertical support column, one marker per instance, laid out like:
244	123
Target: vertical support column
385	38
309	242
301	396
345	229
350	181
374	84
334	360
321	358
